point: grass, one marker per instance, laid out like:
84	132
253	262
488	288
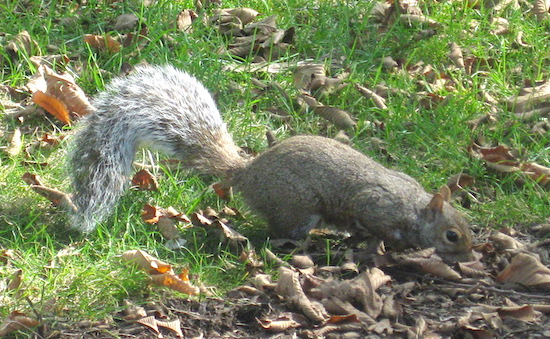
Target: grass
89	282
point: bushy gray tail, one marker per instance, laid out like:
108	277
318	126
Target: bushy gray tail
158	107
100	172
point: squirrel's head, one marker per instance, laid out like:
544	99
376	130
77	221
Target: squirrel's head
447	230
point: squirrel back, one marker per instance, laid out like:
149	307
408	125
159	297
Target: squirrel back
158	107
305	181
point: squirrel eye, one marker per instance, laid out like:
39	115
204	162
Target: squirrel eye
452	236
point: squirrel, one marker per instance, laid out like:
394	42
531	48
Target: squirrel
297	185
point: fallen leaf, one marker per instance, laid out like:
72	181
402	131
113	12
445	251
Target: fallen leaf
379	101
455	55
303	74
145	180
132	311
289	286
52	105
460	181
150	322
15	143
15	280
281	323
126	22
505	242
175	283
500	25
174	326
541	9
146	262
102	43
338	117
16	321
22	43
185	19
526	270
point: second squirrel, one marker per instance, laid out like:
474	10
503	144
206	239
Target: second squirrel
297	185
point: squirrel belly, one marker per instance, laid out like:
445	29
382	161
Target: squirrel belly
158	107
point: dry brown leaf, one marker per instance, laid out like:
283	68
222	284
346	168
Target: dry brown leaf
526	270
150	322
265	26
337	306
22	43
501	159
379	101
506	242
132	311
455	55
500	25
245	15
126	22
167	227
523	313
58	94
529	98
498	158
289	286
57	197
102	43
473	269
389	64
64	87
460	181
50	60
338	117
15	144
281	323
146	262
308	100
15	280
322	85
541	9
303	74
16	321
145	180
52	105
302	261
6	255
433	266
537	172
415	20
185	19
229	235
174	326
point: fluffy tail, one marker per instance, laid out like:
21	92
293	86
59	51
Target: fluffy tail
99	174
157	107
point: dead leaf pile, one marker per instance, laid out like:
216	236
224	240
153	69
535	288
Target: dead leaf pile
386	13
504	160
258	41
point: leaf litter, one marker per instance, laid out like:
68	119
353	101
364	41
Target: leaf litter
383	294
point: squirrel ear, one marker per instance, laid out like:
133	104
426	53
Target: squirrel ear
445	192
436	204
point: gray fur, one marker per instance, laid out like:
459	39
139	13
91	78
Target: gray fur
305	177
156	107
297	185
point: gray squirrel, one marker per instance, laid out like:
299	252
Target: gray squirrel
297	185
